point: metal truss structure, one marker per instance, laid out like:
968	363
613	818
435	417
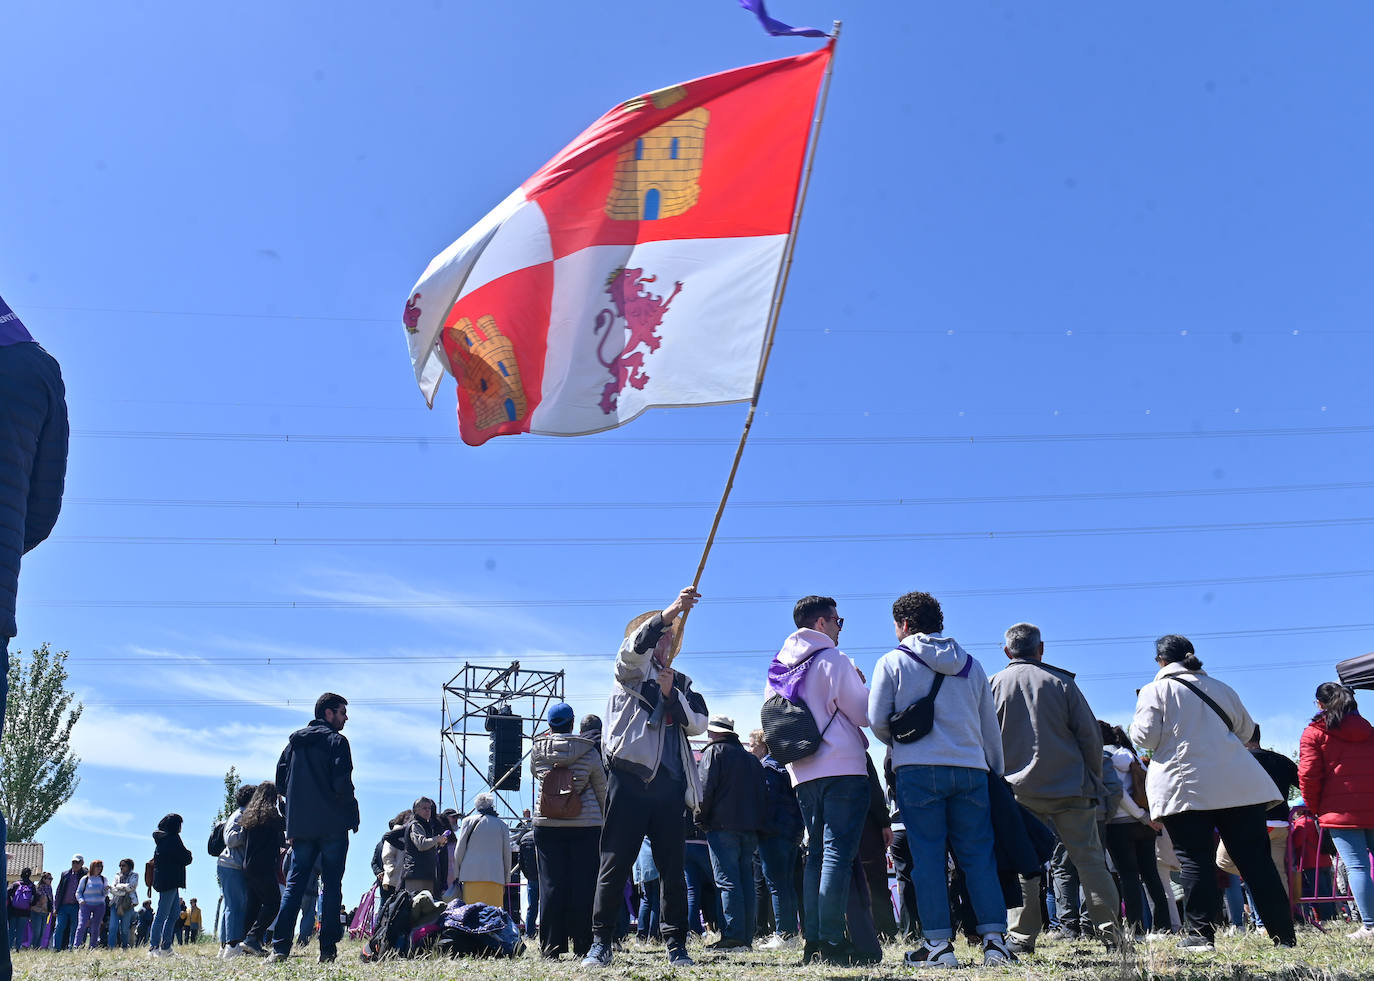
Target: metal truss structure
469	696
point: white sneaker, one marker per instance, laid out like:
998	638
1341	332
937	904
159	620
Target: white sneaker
939	953
237	950
778	942
1363	933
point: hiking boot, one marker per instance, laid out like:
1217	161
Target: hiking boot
932	953
598	956
996	951
678	956
1018	946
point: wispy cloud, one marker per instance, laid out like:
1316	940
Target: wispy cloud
81	814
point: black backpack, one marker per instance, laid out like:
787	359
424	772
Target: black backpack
790	729
215	846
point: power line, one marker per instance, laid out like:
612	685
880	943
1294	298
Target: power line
805	440
702	505
871	538
486	604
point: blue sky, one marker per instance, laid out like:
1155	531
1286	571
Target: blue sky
1054	265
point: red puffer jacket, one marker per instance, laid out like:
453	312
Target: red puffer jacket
1336	772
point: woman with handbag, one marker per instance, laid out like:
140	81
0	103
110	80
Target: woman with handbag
1336	775
1201	777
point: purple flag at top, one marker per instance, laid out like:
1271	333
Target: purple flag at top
776	27
12	329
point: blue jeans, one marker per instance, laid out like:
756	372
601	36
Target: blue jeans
779	856
732	859
647	919
233	884
1353	845
942	804
64	929
165	920
1235	902
123	927
833	809
696	861
331	852
531	904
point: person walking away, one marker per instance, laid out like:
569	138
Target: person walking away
651	711
483	854
1052	748
124	899
1131	834
170	858
942	776
19	901
733	801
426	836
264	836
779	840
64	928
1336	774
233	884
569	804
832	782
1202	778
315	775
33	461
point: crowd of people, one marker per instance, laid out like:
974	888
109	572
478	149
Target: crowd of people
1010	812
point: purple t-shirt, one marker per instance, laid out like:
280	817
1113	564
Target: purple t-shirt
12	329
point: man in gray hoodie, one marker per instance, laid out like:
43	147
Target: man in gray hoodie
1053	749
942	776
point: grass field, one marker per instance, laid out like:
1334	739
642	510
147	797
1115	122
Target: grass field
1319	956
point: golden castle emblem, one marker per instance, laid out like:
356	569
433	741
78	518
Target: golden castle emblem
656	175
483	360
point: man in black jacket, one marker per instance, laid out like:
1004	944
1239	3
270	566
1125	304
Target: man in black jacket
33	468
733	805
315	775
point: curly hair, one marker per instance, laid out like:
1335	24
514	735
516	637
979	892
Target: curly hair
262	809
920	612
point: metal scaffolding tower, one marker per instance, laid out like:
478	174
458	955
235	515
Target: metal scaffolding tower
470	697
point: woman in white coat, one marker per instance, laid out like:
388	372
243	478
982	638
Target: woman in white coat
1203	778
483	854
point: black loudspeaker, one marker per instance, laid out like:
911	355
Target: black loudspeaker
503	764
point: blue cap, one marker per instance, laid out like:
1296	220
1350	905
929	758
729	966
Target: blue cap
561	714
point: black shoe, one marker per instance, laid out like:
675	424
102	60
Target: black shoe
678	956
727	943
1020	947
839	955
810	952
328	956
1196	943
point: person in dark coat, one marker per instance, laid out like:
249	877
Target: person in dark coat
261	857
170	858
315	775
33	468
733	805
780	839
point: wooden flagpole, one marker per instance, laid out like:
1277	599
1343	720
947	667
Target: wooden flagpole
777	304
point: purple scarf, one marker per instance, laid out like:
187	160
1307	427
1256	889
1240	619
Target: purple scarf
787	681
12	329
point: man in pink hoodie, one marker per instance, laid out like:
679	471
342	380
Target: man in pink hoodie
831	783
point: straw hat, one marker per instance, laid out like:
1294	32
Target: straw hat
676	629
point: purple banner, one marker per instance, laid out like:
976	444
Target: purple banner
776	27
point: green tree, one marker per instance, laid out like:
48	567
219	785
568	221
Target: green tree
37	765
232	782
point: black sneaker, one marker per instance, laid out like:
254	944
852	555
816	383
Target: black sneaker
838	955
328	956
598	956
1018	946
996	951
1196	944
678	956
939	953
728	943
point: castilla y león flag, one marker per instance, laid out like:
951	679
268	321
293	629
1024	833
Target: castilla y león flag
635	269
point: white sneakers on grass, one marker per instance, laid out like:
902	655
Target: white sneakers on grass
778	942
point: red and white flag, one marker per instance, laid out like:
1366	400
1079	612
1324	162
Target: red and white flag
635	269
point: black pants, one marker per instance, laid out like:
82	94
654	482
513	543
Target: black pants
567	859
264	898
1246	837
633	810
906	889
1132	847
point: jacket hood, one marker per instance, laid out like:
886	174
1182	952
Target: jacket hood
396	837
563	748
1355	729
801	645
940	653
